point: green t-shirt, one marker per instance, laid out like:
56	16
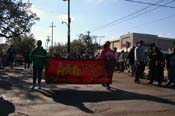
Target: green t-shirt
38	57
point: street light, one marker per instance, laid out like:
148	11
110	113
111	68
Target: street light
63	22
68	25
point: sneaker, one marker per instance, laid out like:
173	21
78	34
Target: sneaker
137	81
33	86
108	87
104	85
150	82
39	86
160	84
168	84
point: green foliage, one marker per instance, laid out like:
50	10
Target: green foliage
16	18
59	50
88	43
23	44
78	47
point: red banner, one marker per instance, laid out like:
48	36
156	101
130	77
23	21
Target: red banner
65	71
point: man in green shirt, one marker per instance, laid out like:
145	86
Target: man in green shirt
38	57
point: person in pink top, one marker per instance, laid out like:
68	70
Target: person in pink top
108	54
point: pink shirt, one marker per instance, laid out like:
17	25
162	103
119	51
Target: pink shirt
107	54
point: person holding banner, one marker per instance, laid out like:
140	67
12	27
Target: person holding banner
109	56
38	57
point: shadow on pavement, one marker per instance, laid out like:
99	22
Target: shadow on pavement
6	107
20	80
77	98
8	82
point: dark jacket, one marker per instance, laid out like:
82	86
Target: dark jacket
38	57
171	61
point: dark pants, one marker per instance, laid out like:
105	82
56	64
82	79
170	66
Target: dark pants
171	75
10	61
131	69
26	64
139	70
121	66
37	74
156	73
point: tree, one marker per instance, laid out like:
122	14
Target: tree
59	50
87	40
23	44
16	18
78	47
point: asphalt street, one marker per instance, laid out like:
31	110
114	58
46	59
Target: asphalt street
125	98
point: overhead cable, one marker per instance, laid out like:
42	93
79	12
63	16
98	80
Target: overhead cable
132	15
148	3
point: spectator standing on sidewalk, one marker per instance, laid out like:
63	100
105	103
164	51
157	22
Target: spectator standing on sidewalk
131	61
38	57
140	57
170	64
116	59
27	60
1	58
152	60
108	55
158	66
11	55
121	60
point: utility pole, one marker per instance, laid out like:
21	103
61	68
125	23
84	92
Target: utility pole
47	43
88	38
52	26
88	33
69	21
68	25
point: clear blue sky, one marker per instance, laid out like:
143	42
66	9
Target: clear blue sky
90	14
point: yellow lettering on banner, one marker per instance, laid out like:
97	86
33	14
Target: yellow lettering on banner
68	69
60	69
76	71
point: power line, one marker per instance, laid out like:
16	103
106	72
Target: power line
126	17
134	13
150	10
148	3
155	21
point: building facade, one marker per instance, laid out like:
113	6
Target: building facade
126	42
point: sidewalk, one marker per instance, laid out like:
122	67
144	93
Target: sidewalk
125	99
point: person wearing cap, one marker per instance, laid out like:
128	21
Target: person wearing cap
38	57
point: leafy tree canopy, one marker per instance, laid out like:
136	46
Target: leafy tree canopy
23	44
16	18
